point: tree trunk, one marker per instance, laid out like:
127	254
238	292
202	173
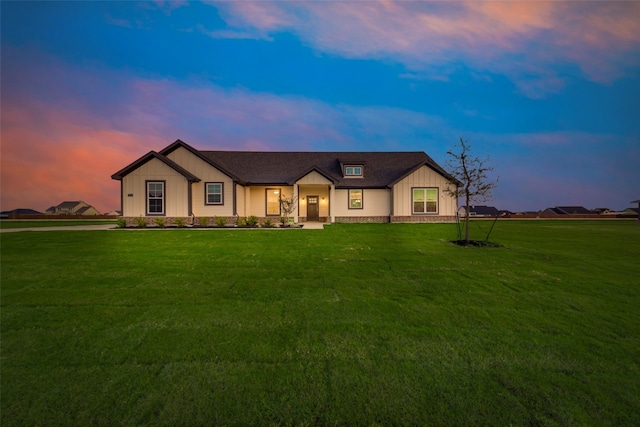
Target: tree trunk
466	226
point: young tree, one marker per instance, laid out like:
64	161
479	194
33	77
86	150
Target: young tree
287	206
471	172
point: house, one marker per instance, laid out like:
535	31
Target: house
72	208
637	210
567	210
182	182
19	211
601	211
479	211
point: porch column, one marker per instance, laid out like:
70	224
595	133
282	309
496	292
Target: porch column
295	197
332	198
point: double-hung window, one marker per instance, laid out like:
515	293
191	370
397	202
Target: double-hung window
155	198
425	200
355	199
213	194
273	202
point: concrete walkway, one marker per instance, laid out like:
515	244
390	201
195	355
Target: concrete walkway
61	228
307	226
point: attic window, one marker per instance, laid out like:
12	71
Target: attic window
353	170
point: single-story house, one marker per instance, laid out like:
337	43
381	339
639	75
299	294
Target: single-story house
19	211
567	210
72	208
479	211
637	210
182	182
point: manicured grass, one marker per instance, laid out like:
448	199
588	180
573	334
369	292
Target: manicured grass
385	324
25	223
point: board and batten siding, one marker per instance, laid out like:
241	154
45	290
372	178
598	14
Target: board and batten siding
313	178
206	173
257	198
240	200
319	189
176	190
422	177
375	202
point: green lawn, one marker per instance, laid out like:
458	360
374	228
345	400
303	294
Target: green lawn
27	223
382	324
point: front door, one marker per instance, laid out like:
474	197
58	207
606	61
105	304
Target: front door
313	212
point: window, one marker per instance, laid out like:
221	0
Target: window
425	200
353	170
213	194
273	201
355	199
155	197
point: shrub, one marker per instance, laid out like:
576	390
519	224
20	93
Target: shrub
241	222
252	220
268	223
121	223
141	222
203	221
221	221
179	222
159	222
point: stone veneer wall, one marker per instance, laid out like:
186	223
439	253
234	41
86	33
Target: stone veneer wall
424	218
132	221
362	219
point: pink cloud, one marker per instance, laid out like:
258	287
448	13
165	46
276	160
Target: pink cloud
58	145
524	40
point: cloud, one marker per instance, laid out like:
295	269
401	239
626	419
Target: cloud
64	137
535	44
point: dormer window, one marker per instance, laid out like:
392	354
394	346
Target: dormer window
353	171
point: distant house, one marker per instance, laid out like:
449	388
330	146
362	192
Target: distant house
637	210
72	208
567	210
114	213
479	211
601	211
19	211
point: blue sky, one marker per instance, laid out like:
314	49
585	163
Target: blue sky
548	91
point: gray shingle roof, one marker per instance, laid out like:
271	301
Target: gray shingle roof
380	169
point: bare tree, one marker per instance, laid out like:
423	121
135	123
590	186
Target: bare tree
471	172
287	206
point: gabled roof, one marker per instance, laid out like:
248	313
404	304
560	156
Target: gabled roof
381	169
568	210
150	156
21	211
313	169
181	144
574	210
69	205
484	210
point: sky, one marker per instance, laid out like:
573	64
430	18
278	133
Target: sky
548	93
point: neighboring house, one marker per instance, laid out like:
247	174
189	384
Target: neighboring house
479	211
636	210
180	181
114	213
73	208
602	211
19	211
567	210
